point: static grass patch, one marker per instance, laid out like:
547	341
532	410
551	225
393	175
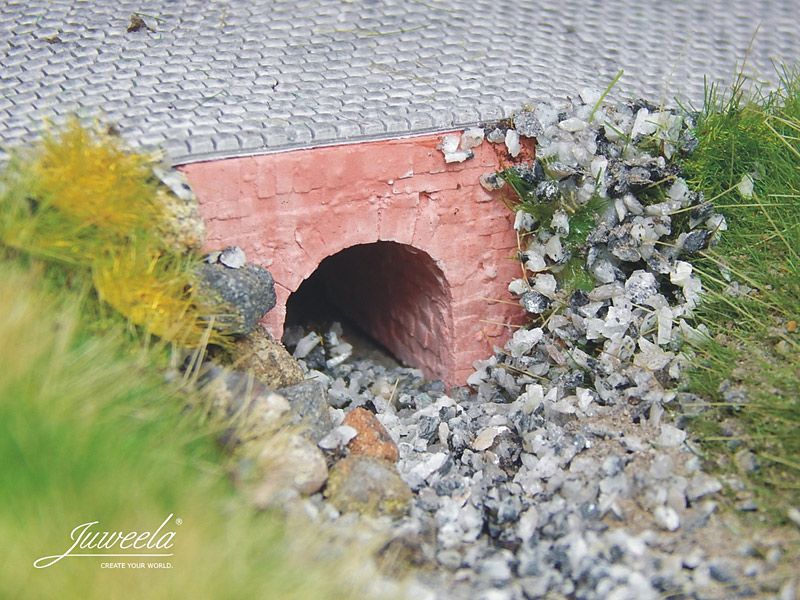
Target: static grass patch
89	431
92	302
748	163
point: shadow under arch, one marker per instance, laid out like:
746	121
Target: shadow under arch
395	292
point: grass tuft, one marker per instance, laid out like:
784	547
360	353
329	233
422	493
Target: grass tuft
748	161
81	200
90	431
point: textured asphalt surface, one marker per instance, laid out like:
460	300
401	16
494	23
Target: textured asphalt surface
209	79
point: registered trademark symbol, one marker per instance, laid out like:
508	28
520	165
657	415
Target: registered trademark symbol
178	521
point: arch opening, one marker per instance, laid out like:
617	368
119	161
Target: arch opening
393	292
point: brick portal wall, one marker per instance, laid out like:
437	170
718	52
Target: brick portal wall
291	210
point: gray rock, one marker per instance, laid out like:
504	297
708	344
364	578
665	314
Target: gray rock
247	294
309	403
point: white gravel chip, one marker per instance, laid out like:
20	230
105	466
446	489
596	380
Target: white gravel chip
519	286
745	186
523	221
523	340
338	438
670	436
650	356
233	257
450	143
485	439
667	518
429	466
512	143
554	248
471	138
306	345
545	284
572	124
664	319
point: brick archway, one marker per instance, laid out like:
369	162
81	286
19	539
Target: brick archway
291	210
397	294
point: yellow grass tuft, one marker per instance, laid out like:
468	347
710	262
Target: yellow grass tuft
87	175
82	200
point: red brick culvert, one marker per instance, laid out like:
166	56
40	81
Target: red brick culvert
414	250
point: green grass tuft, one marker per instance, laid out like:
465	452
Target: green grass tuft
89	431
753	136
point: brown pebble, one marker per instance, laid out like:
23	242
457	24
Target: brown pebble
372	438
791	326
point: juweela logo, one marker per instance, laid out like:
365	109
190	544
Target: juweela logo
86	537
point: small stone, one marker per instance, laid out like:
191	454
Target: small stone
560	223
368	485
338	439
534	302
527	125
640	286
794	515
746	186
670	437
702	485
372	438
496	136
294	462
485	438
457	157
512	143
309	403
523	221
450	143
722	572
232	257
547	191
695	241
260	410
471	138
519	287
427	467
491	182
572	124
267	358
590	96
651	357
545	283
306	345
746	460
560	171
554	248
667	518
523	340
